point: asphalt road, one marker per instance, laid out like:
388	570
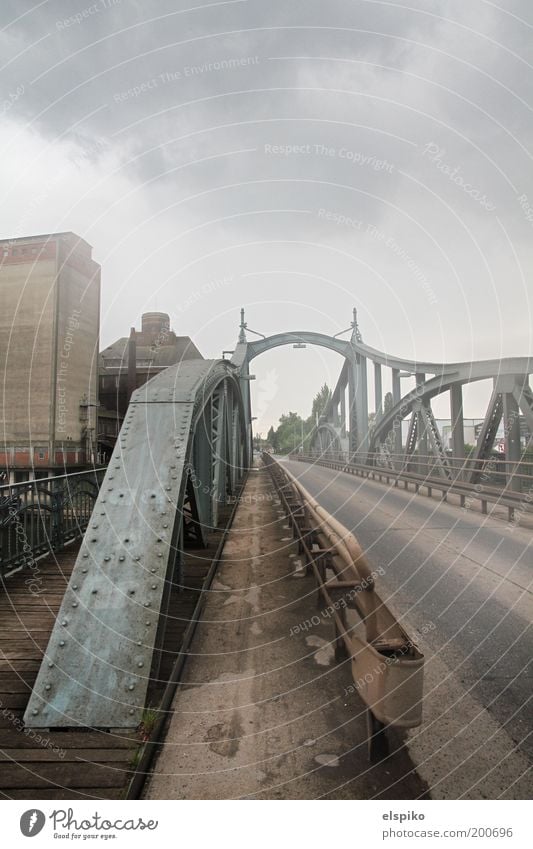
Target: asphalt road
461	584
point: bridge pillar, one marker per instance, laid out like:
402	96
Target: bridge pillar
343	411
423	450
358	391
396	398
511	421
458	427
378	391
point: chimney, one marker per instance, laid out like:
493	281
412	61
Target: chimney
155	326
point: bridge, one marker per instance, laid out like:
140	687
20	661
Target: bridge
179	466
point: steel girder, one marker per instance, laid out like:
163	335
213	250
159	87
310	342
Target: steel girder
176	456
510	376
355	370
326	440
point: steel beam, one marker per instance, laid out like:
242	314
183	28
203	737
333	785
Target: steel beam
96	668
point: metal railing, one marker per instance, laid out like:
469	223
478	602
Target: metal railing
387	666
421	475
41	516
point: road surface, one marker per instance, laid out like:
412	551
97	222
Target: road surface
461	584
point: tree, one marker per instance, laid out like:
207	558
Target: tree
320	402
388	402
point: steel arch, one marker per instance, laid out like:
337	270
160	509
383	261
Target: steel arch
181	451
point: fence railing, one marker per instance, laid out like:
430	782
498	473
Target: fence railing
516	501
494	472
41	516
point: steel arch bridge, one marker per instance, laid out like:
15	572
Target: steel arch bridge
182	451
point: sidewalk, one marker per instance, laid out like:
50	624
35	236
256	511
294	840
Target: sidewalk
262	713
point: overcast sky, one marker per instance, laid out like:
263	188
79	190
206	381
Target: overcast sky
297	158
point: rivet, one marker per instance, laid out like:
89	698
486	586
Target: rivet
48	687
74	586
168	488
94	540
132	592
94	592
139	643
121	495
51	665
111	477
153	570
147	623
147	604
127	539
109	488
64	623
121	557
132	712
107	558
95	526
74	604
154	586
131	687
137	557
140	664
85	554
152	496
84	571
159	554
62	642
165	525
35	711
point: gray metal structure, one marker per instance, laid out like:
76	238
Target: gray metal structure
335	433
181	451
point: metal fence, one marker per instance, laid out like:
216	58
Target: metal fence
41	516
496	472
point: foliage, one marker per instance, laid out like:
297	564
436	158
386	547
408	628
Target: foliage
293	431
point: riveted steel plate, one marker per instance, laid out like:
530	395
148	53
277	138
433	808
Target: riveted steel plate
96	668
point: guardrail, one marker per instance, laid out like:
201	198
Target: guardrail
41	516
515	502
387	667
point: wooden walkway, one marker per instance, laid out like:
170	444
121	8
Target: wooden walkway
57	764
82	764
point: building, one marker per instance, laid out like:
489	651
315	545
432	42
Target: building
129	363
49	340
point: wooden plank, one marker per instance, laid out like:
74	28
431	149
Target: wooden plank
61	775
94	793
65	755
67	739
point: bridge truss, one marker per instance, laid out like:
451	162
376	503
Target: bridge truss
182	451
